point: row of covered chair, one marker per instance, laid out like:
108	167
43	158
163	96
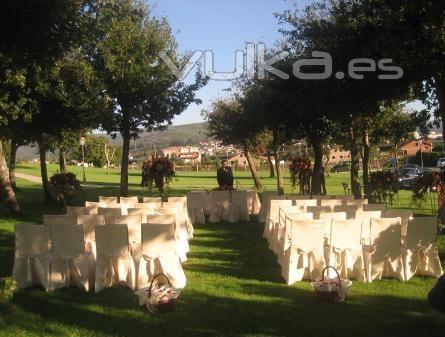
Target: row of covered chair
366	246
93	253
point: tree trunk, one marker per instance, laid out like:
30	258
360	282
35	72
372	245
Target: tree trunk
366	155
355	163
317	182
62	158
440	93
12	162
44	171
253	171
280	181
124	163
271	169
7	195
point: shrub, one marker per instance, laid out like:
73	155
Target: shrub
7	289
65	187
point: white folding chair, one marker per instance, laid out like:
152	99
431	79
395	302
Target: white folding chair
62	220
109	214
366	222
93	207
349	210
110	201
421	256
31	257
183	218
328	217
196	206
346	253
267	195
159	254
321	197
239	210
71	264
123	207
383	256
344	198
143	212
316	210
114	263
305	258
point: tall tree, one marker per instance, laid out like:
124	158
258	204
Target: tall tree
146	91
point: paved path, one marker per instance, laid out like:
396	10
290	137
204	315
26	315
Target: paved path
38	180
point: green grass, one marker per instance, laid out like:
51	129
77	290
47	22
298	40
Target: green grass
233	288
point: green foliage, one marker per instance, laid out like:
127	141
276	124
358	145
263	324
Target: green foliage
94	150
7	290
383	185
429	158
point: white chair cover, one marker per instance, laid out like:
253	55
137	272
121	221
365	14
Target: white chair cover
31	258
374	207
346	253
316	210
143	212
383	257
110	201
88	223
221	206
271	228
239	209
328	217
366	223
133	223
253	202
421	256
344	198
146	205
267	195
130	201
406	216
109	214
305	203
93	207
295	197
159	254
181	236
319	198
49	220
71	264
305	258
185	223
75	211
358	202
196	206
114	263
349	210
331	203
284	239
156	200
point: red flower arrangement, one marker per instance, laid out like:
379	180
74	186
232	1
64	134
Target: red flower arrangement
158	169
300	173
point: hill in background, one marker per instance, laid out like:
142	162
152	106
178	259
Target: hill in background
187	134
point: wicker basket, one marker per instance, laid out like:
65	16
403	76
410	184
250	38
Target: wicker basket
162	298
334	291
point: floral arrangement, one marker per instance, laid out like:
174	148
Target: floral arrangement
159	170
65	187
301	173
383	185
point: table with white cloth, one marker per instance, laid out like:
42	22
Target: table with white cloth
253	201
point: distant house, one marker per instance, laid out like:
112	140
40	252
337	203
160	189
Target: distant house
240	160
338	155
189	154
413	147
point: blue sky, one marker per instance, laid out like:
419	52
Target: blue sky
222	26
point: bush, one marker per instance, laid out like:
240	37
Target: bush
7	289
429	158
65	187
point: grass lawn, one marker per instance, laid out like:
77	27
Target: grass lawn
233	288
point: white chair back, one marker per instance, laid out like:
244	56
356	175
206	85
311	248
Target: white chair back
129	200
158	238
142	212
88	223
68	241
112	240
307	234
75	211
346	234
358	203
108	200
331	203
316	210
328	218
156	200
305	203
349	210
406	216
109	214
161	219
385	234
422	232
274	210
344	198
133	223
30	240
49	220
366	222
93	207
374	207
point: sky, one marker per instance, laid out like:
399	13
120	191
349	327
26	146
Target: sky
222	26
